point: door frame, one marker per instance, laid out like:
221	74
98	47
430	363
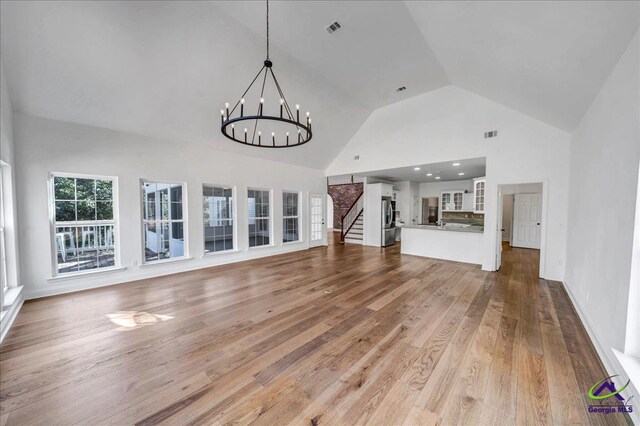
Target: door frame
543	218
323	197
499	214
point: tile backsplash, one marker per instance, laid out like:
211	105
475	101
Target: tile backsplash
463	217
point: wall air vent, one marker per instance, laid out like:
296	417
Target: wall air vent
491	134
401	89
333	27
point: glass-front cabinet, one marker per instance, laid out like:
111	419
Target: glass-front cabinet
478	194
451	201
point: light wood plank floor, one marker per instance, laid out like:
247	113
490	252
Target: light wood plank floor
335	335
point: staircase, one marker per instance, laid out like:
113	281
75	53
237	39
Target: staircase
352	223
354	236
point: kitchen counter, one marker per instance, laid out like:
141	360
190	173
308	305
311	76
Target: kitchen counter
458	244
473	228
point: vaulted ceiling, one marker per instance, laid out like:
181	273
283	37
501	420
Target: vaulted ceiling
164	69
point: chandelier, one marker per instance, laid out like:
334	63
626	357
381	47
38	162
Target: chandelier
274	124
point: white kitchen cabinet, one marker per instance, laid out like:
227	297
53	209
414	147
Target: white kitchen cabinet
451	201
479	185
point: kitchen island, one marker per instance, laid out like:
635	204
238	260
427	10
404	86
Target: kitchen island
457	242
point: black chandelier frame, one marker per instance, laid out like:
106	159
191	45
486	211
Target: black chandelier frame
303	132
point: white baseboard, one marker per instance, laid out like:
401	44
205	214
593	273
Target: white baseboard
10	315
611	363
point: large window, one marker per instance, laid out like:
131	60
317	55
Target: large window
290	217
4	281
218	211
259	211
83	222
163	220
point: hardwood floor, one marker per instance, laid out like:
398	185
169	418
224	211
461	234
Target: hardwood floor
336	335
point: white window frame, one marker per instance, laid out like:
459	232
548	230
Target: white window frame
52	224
234	218
4	277
185	227
270	217
298	216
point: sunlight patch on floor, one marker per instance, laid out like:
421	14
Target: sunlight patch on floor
136	319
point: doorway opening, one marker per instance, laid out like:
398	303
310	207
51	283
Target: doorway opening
520	225
429	210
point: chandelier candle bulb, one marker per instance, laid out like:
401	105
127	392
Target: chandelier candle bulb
226	106
242	107
233	130
273	138
245	135
287	138
259	138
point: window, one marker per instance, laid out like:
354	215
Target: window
218	211
4	281
83	222
290	217
259	212
163	220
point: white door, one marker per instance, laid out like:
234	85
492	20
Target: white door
499	231
526	220
317	211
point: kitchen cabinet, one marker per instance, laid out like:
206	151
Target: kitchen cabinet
451	201
479	185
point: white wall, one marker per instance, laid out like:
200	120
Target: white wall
433	189
44	146
605	150
449	124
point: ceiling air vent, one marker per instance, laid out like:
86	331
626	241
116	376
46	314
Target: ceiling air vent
401	89
491	134
356	157
333	27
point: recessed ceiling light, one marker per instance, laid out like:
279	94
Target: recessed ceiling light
437	177
456	164
460	174
416	168
429	174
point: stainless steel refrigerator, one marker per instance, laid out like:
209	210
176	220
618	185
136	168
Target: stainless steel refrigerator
388	222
